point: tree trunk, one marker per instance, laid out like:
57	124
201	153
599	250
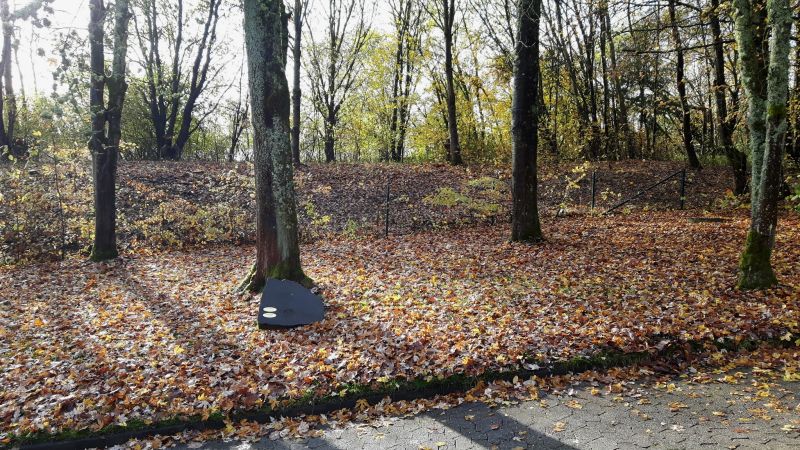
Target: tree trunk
297	94
7	105
449	12
330	139
767	121
725	124
525	124
686	117
106	121
277	246
621	119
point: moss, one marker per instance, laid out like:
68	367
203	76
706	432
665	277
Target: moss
281	271
755	270
103	255
776	111
397	389
286	271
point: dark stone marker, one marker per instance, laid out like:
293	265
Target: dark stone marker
286	304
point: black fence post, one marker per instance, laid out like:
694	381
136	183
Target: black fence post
594	187
388	193
683	188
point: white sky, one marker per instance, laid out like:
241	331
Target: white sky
36	71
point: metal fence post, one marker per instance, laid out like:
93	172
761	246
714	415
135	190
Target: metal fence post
594	187
683	188
388	192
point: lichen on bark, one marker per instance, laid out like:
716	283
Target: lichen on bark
277	243
765	72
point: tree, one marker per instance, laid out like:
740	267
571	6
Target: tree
443	13
277	245
8	98
336	63
105	120
525	128
725	122
763	35
238	109
300	6
407	19
686	117
170	92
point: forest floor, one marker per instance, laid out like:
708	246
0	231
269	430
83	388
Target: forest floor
156	335
169	205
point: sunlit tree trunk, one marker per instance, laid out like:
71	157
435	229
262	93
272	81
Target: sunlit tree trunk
277	245
525	124
765	72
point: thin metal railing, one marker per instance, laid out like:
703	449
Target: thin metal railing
681	172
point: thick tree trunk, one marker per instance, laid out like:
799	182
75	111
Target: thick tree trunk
686	117
725	124
297	94
767	121
277	246
525	124
449	12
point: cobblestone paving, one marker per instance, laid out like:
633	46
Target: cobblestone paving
677	415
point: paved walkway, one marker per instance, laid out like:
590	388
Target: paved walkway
673	415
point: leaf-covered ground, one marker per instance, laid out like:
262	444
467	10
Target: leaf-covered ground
154	336
45	209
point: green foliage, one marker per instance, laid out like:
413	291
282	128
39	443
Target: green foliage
483	200
794	199
180	223
43	206
573	180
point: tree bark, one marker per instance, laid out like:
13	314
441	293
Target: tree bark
7	103
525	124
277	244
686	117
725	124
297	94
106	121
767	121
448	19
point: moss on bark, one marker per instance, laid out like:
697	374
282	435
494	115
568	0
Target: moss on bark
252	283
103	255
755	270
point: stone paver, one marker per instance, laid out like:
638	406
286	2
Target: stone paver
683	416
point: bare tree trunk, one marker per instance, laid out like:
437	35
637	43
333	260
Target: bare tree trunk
448	20
621	120
297	94
106	120
725	124
525	128
277	244
686	117
7	104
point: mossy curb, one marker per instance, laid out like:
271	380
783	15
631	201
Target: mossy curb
396	390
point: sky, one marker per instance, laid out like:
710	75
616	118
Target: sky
35	71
